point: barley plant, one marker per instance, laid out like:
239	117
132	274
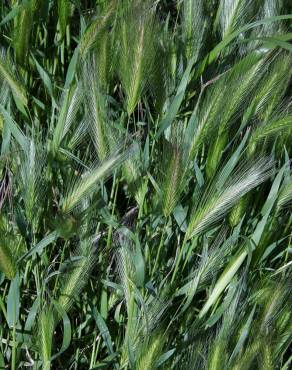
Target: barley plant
145	184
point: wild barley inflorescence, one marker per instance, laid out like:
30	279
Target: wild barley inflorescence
145	184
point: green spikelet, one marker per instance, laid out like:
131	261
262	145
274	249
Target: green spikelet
85	186
137	52
172	182
175	163
141	191
71	287
194	25
64	10
7	261
131	167
215	154
46	325
251	148
130	170
7	74
150	354
91	34
100	126
218	356
22	32
267	131
73	281
104	59
246	360
266	362
238	211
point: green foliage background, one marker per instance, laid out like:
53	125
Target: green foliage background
145	184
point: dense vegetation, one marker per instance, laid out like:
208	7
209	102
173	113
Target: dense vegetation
145	184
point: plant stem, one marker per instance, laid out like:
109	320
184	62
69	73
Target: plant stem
13	358
160	245
178	260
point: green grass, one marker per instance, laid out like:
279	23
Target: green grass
145	184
